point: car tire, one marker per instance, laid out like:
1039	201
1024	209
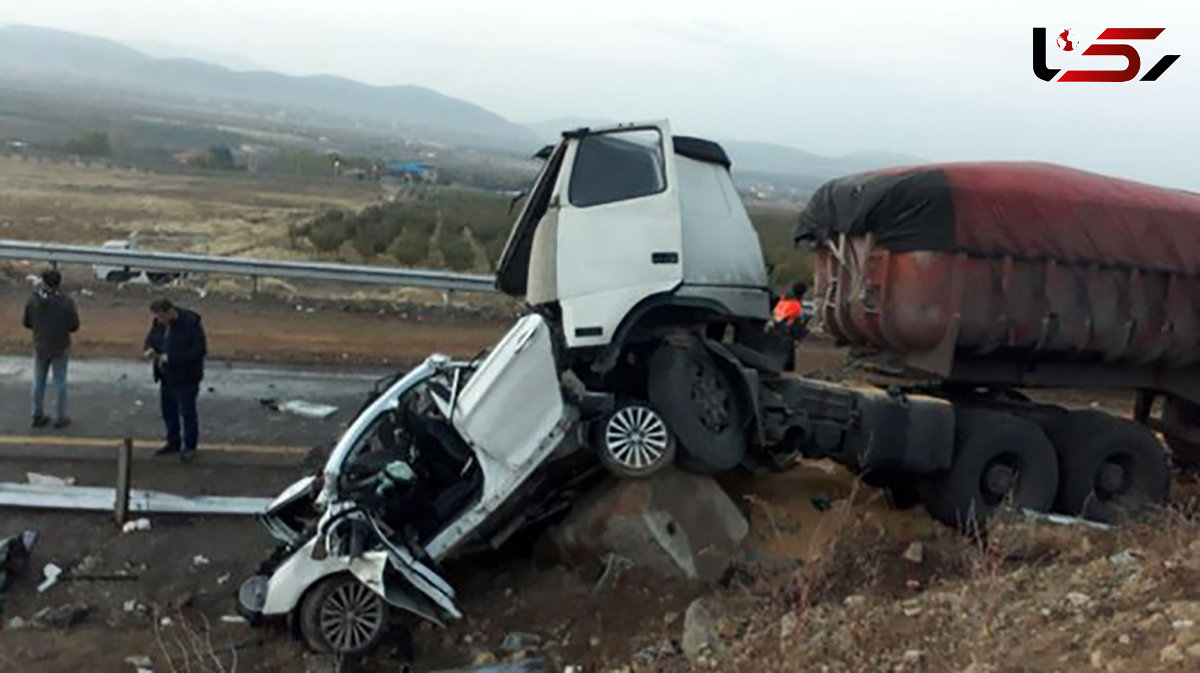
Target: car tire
633	440
342	617
701	405
998	458
1110	469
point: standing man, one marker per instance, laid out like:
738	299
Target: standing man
52	317
177	346
789	311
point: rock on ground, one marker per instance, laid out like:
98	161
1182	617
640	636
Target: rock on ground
675	524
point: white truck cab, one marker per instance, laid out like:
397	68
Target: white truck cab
626	220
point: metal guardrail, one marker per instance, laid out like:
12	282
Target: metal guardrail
244	266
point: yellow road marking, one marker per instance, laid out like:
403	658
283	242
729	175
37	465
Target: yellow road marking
142	444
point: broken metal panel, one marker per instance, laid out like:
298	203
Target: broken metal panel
513	400
102	499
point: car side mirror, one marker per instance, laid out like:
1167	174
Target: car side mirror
554	203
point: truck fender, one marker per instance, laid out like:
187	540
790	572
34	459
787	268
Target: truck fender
643	312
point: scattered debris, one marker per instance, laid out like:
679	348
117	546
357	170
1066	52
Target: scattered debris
223	579
1124	557
14	624
915	553
135	524
614	565
821	502
48	479
200	560
233	619
517	640
1031	516
306	409
51	573
14	556
1078	599
139	661
63	616
701	629
651	653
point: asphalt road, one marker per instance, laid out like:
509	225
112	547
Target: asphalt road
112	399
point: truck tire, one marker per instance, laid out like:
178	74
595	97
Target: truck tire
342	617
998	458
701	405
633	440
1110	469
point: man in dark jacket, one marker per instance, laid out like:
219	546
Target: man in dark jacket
177	346
52	317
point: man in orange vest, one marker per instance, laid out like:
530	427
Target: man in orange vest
789	312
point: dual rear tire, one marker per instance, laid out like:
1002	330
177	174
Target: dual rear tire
1082	463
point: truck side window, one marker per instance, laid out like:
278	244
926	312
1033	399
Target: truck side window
617	166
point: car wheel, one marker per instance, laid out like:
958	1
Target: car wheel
999	459
341	616
1109	469
702	407
633	440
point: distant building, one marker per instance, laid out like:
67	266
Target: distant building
411	171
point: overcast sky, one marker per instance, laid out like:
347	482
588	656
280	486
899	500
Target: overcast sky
941	79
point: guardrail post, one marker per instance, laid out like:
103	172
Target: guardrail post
124	471
253	286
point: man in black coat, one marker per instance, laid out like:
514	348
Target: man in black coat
177	346
52	317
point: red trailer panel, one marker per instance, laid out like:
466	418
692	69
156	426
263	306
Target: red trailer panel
1017	265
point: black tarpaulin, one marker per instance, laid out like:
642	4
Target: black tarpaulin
1017	209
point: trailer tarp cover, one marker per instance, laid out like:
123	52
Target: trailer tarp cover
1032	211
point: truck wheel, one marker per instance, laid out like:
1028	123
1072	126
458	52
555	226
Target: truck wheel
999	458
341	616
1109	468
633	440
701	405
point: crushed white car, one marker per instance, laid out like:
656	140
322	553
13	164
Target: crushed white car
451	457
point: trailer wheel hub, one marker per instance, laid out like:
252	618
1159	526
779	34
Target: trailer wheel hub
999	479
1110	480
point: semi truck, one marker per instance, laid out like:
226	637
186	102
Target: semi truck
647	343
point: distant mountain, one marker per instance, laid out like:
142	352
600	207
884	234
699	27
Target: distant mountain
756	157
70	59
159	49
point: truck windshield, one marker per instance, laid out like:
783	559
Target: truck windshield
617	166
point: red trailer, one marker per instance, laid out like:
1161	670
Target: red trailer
995	276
